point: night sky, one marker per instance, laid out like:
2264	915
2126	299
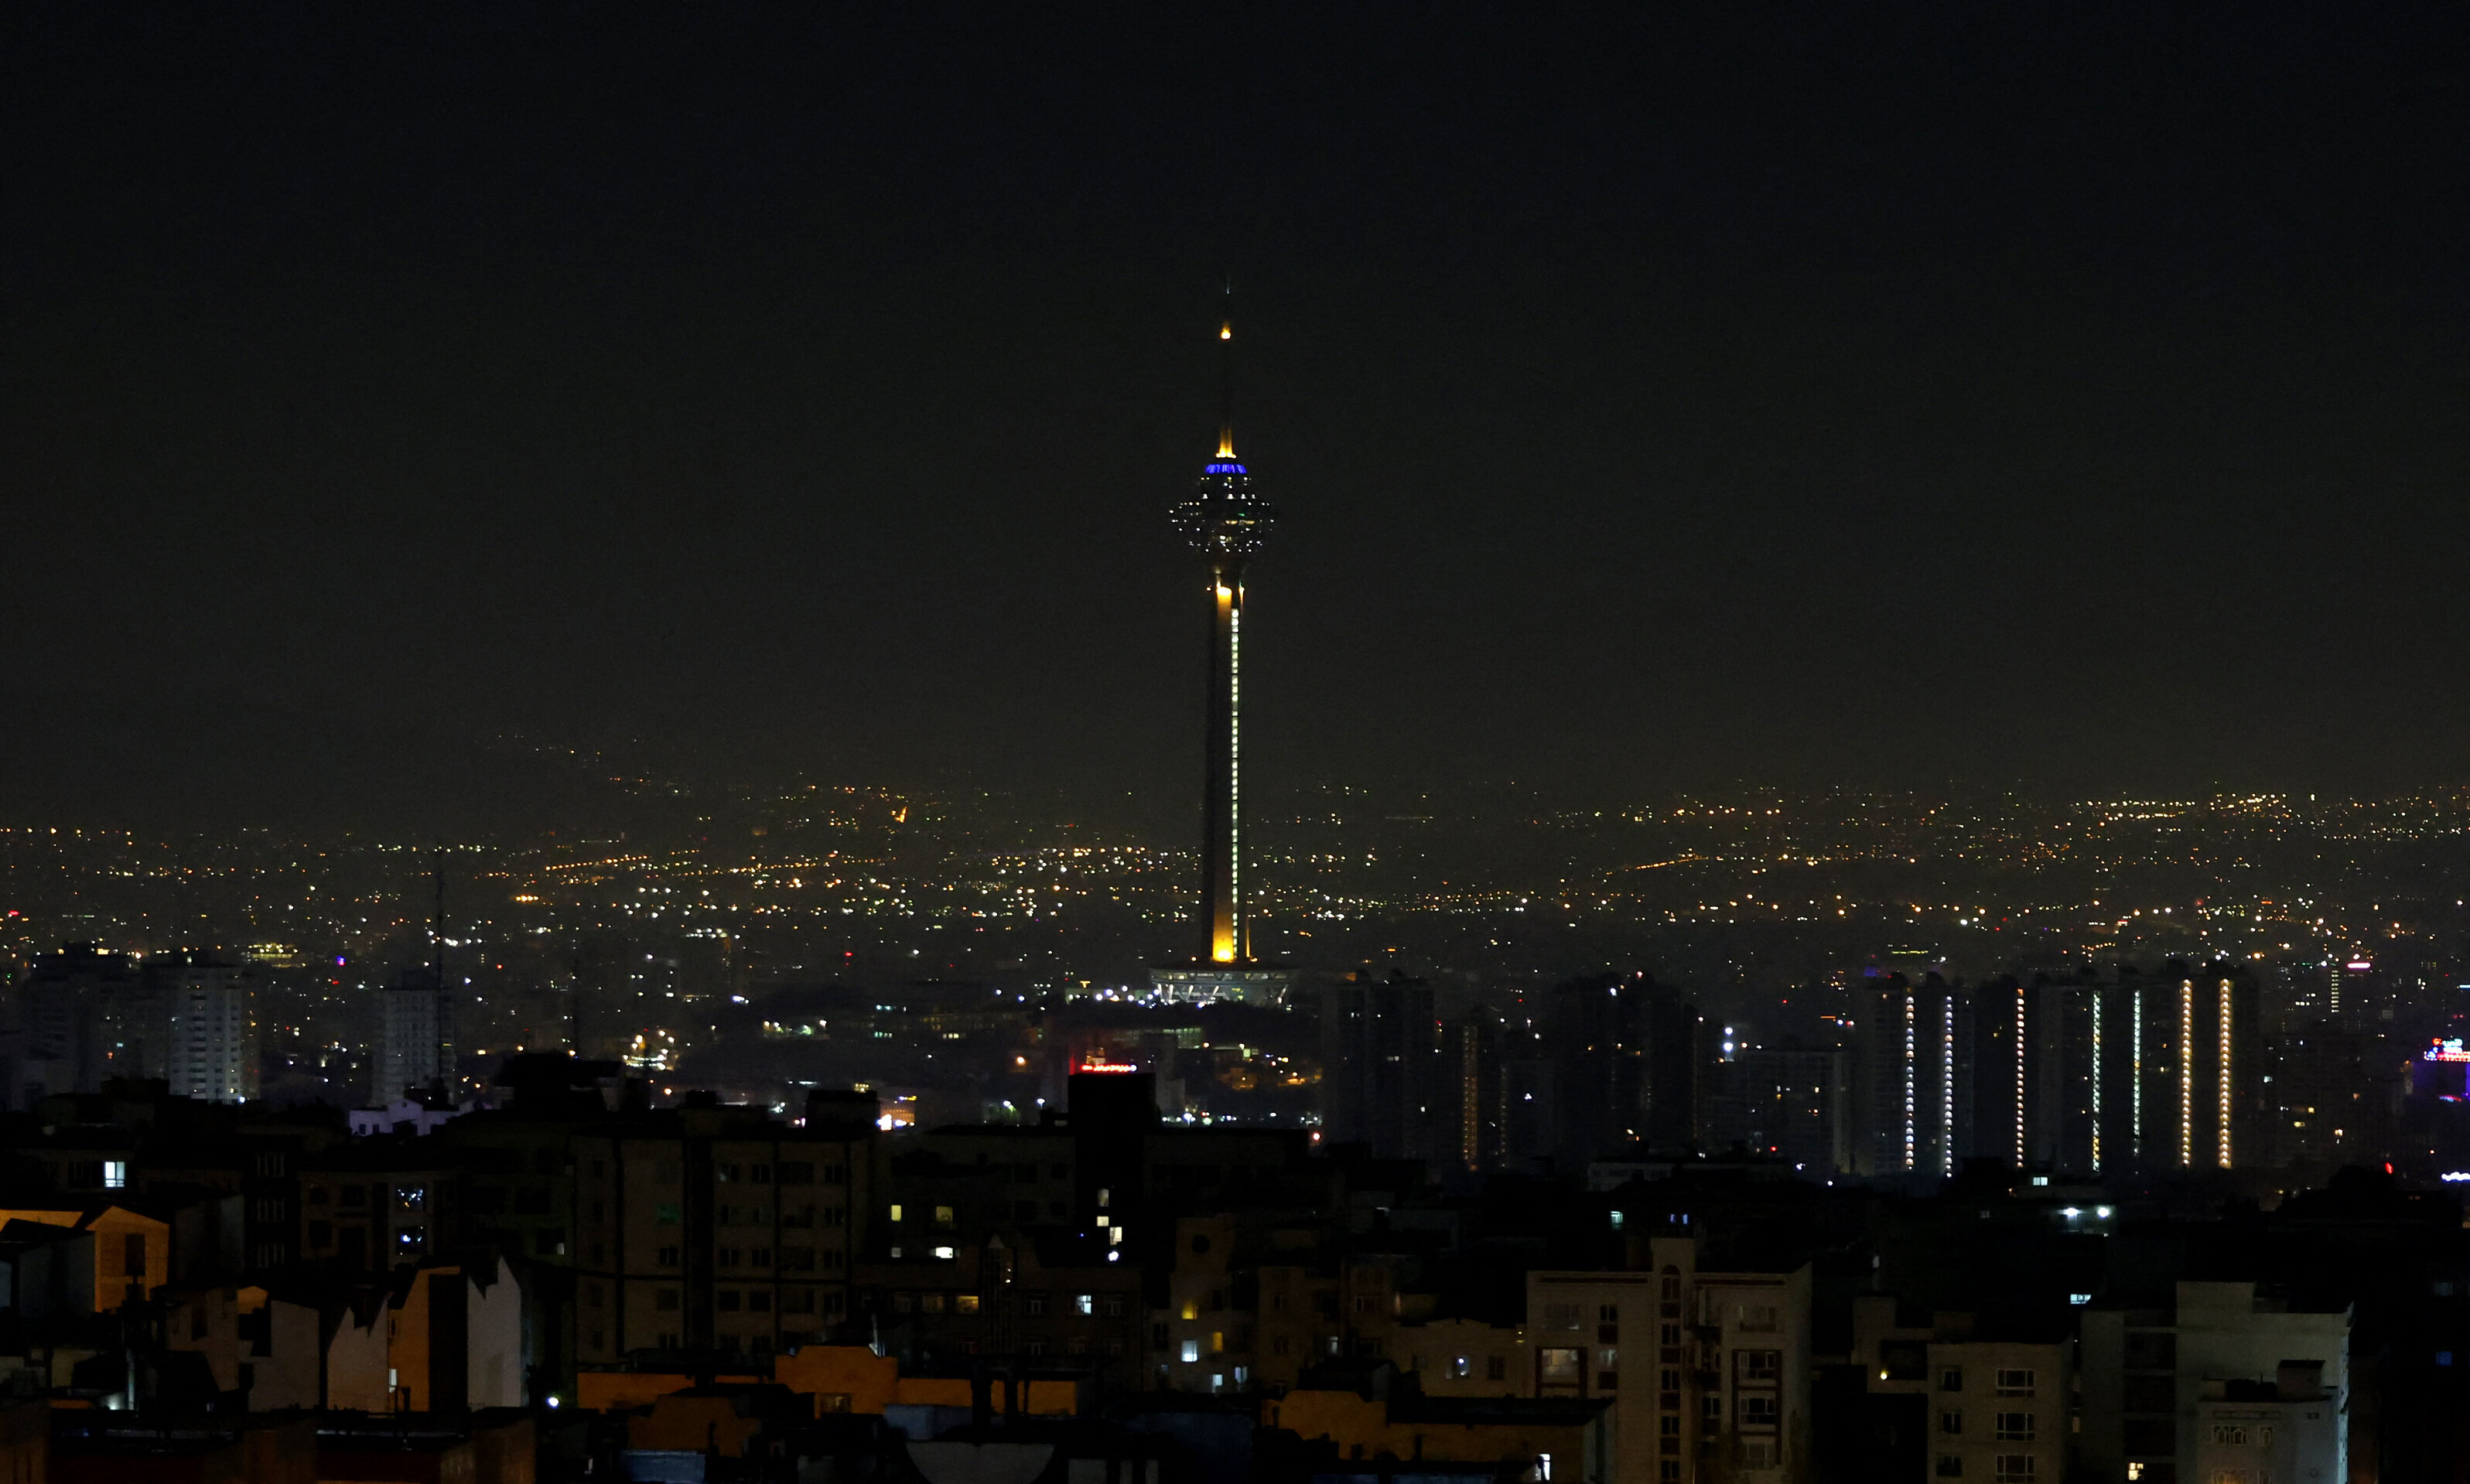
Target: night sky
1653	395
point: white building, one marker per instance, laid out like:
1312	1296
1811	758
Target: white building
211	1046
416	1039
2222	1385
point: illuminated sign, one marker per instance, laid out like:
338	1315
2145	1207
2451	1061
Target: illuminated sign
1109	1066
2360	964
2446	1050
2455	1176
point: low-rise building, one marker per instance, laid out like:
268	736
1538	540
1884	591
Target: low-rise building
1385	1415
130	1252
2167	1390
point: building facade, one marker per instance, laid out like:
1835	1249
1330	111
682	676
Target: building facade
1709	1371
715	1230
2226	1378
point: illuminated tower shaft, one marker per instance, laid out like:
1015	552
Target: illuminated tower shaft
1222	826
1224	521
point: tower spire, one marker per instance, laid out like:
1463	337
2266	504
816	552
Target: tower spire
1226	375
1224	521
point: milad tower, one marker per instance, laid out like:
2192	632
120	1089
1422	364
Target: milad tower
1226	523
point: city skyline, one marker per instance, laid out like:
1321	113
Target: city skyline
1838	851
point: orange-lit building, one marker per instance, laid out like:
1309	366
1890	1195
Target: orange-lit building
838	1379
1551	1438
132	1252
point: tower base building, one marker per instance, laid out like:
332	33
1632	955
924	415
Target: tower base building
1205	984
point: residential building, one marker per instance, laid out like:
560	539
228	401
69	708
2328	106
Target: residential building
131	1252
714	1229
415	1049
1709	1370
2167	1391
210	1028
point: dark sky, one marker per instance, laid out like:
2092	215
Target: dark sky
1652	394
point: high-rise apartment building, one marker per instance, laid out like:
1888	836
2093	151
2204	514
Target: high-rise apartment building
2332	1098
209	1011
717	1230
2074	1073
1915	1081
72	1003
1627	1059
2176	1073
415	1037
1790	1103
1391	1084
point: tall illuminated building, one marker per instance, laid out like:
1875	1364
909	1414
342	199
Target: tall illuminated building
415	1049
210	1026
1224	521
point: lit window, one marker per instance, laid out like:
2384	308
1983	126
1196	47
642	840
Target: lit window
1084	1303
115	1174
896	1212
1191	1350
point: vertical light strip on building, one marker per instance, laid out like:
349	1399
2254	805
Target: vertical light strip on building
2135	1074
2020	992
2223	1136
1470	1100
1235	774
1947	1084
1909	1074
2096	1080
2186	1072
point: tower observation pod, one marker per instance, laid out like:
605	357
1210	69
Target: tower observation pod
1226	523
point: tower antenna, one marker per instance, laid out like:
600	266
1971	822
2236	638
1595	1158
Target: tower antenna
1226	374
